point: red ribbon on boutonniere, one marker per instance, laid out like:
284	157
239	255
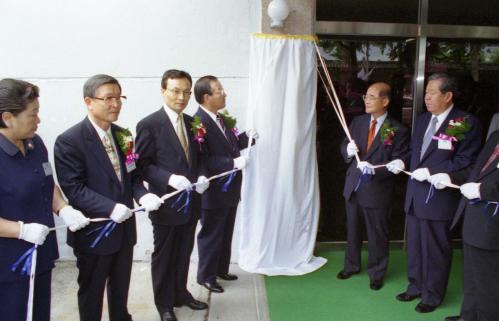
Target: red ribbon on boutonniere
457	128
126	145
198	130
388	133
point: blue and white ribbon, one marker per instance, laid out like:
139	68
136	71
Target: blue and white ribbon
29	268
185	207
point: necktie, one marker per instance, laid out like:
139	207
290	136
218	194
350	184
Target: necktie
221	123
371	134
428	136
181	135
491	159
111	153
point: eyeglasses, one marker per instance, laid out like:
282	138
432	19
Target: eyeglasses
109	100
177	92
365	98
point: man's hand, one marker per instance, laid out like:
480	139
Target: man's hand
421	174
366	168
241	162
395	166
33	232
150	202
437	180
252	133
179	182
470	190
352	149
202	184
120	213
74	219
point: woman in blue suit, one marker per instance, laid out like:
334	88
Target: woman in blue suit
28	197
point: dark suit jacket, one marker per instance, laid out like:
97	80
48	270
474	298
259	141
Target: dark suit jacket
88	180
160	156
220	153
376	192
443	204
480	228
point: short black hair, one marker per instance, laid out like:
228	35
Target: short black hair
93	83
202	87
15	95
448	83
174	74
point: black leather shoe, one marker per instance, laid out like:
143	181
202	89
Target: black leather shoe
405	297
213	287
343	275
168	316
194	305
425	308
228	277
376	284
454	318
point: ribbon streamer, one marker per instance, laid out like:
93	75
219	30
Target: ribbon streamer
366	175
29	268
431	192
105	231
185	207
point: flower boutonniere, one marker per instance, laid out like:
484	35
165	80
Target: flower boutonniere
125	142
230	122
198	130
388	133
457	128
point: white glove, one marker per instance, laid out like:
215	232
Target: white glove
202	184
395	166
437	180
470	190
421	174
252	133
179	182
241	162
120	213
74	219
366	167
33	232
150	202
352	149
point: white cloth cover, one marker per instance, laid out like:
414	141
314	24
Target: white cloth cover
280	195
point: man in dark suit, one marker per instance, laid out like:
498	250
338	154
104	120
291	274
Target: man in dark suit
222	147
479	208
169	160
381	139
435	148
94	173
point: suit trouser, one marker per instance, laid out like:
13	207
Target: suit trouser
170	264
429	257
98	272
376	221
481	284
214	243
14	298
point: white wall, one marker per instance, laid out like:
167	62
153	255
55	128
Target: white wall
58	44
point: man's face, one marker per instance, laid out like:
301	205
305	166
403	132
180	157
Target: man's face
217	99
375	105
177	94
104	108
436	101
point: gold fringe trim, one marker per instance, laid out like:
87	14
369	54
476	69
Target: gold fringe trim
275	36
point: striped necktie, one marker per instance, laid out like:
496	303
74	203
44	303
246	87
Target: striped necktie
111	153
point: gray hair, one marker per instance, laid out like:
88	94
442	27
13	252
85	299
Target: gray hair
94	82
448	83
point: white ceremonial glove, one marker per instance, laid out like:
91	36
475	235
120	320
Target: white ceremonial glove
179	182
202	184
150	202
241	162
252	133
421	174
33	232
366	167
121	213
437	180
395	166
470	190
74	219
352	149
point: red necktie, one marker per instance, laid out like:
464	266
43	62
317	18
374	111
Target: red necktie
370	136
491	159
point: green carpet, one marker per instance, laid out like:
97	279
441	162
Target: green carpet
320	296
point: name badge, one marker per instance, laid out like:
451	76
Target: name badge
444	144
130	167
47	168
